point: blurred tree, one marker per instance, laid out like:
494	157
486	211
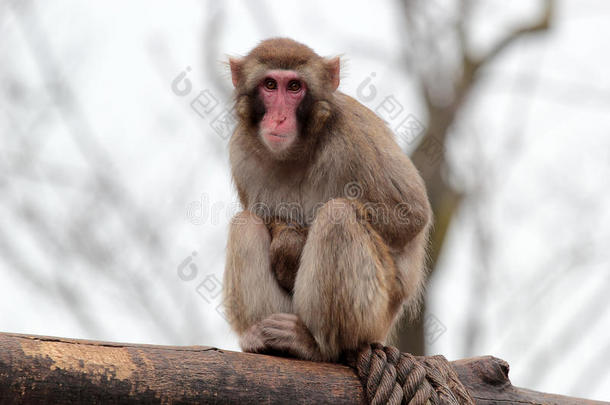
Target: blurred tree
444	81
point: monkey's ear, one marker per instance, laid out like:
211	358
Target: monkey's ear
236	65
333	66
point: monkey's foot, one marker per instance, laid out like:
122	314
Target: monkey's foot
281	335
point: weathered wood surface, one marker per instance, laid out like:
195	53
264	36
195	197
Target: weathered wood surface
48	370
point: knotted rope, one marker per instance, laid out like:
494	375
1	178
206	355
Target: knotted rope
391	377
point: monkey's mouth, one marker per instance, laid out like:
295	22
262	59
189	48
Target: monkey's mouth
278	141
273	137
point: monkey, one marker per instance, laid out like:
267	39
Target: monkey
330	248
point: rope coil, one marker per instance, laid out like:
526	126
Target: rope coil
394	378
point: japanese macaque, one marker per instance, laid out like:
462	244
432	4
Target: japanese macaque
331	244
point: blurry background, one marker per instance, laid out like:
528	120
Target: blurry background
115	193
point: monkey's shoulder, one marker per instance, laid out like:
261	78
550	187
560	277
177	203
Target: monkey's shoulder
355	114
361	142
361	149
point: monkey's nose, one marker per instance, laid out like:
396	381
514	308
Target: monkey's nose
281	120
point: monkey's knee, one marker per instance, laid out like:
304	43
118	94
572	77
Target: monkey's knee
246	225
248	270
247	247
342	290
337	212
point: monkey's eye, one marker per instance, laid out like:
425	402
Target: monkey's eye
294	85
270	84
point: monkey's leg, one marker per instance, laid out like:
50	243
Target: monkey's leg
344	290
251	292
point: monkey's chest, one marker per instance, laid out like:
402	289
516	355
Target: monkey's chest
294	202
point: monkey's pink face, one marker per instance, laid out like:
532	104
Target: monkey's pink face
281	92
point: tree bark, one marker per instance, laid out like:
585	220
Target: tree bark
44	370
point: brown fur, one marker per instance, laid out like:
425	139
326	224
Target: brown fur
363	255
287	242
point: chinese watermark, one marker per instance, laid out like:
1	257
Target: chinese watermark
406	127
433	328
206	105
208	287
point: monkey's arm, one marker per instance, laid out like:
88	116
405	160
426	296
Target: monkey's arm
287	241
401	207
364	151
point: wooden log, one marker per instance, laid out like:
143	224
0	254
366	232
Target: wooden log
49	370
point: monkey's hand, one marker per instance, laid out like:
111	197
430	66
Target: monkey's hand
287	243
281	335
